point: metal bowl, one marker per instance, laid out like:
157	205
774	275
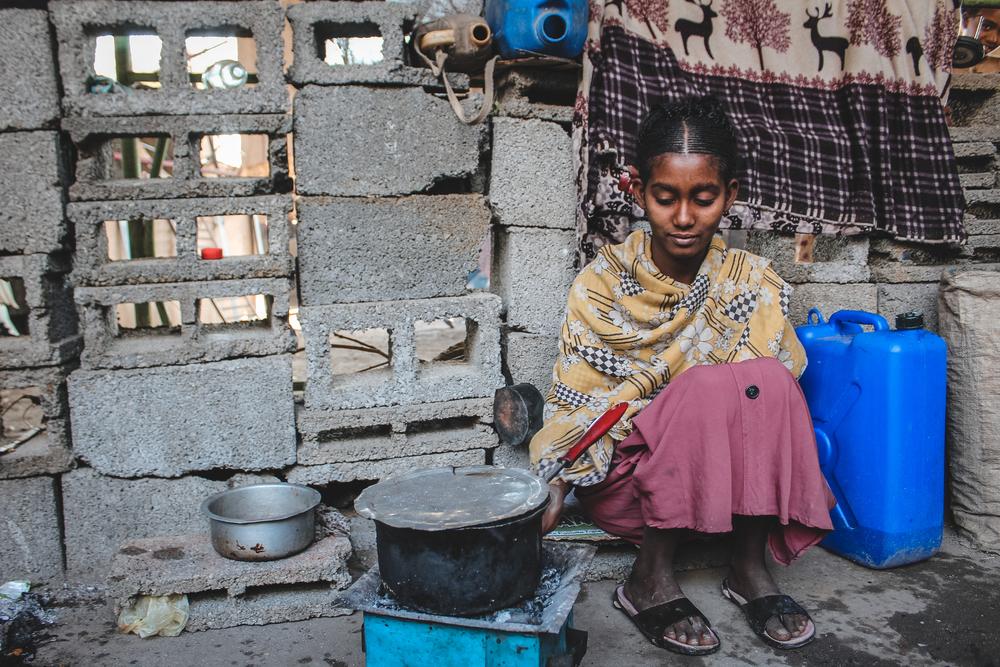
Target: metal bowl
262	521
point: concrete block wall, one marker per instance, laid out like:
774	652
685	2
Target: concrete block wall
393	202
39	338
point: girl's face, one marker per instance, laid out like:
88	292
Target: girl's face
684	199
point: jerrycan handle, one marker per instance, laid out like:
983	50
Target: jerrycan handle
860	317
814	316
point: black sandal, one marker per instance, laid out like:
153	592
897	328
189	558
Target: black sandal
654	621
759	611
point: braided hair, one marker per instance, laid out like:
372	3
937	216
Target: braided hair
691	124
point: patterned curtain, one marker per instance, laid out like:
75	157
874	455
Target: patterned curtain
838	106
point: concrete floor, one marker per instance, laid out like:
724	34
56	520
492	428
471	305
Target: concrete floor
943	611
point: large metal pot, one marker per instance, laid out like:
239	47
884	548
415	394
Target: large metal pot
458	541
262	521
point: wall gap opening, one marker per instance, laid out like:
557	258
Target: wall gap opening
226	313
14	310
140	238
360	351
151	318
349	43
445	340
234	156
222	236
222	58
125	57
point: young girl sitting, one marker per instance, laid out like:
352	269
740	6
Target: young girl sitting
717	438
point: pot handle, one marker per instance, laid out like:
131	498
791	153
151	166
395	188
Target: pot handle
596	431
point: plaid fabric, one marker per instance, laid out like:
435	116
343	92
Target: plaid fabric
837	158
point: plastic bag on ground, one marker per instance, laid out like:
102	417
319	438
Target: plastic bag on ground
151	615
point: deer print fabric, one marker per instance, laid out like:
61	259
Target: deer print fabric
838	106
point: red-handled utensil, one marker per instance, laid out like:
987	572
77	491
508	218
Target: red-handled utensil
596	431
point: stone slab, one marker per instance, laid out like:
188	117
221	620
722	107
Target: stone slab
49	451
52	336
829	298
380	433
29	529
532	179
532	271
188	564
375	470
836	259
168	421
29	91
537	92
406	141
92	138
406	380
100	513
91	265
76	21
31	218
978	180
263	606
531	357
353	250
109	346
314	22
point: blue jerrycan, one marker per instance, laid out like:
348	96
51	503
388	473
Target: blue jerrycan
538	27
877	400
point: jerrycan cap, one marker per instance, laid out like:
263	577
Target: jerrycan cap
910	320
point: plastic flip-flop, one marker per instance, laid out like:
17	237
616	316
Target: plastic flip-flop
759	611
653	622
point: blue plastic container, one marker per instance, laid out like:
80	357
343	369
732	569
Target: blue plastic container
877	400
533	27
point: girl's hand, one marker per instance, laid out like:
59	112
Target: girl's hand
557	495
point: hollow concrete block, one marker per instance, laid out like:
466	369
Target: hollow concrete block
353	250
829	298
92	267
343	436
405	141
545	94
531	357
107	345
31	218
77	22
29	528
532	271
532	181
315	22
172	420
375	470
406	380
897	298
52	336
94	178
836	259
48	452
29	91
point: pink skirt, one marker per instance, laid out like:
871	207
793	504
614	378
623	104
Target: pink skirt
723	440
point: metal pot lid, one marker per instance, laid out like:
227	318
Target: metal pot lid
447	498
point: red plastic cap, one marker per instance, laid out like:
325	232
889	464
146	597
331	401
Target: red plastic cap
211	253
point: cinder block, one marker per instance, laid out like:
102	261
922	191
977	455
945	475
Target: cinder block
905	297
404	141
315	22
48	452
375	470
108	345
100	513
354	250
829	298
29	528
51	336
509	456
224	593
983	203
532	271
77	23
531	357
978	180
407	380
91	265
31	218
172	420
94	176
380	433
546	94
836	259
532	181
29	94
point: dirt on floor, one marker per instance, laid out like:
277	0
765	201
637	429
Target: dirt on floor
942	611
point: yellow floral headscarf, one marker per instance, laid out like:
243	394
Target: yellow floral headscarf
629	329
